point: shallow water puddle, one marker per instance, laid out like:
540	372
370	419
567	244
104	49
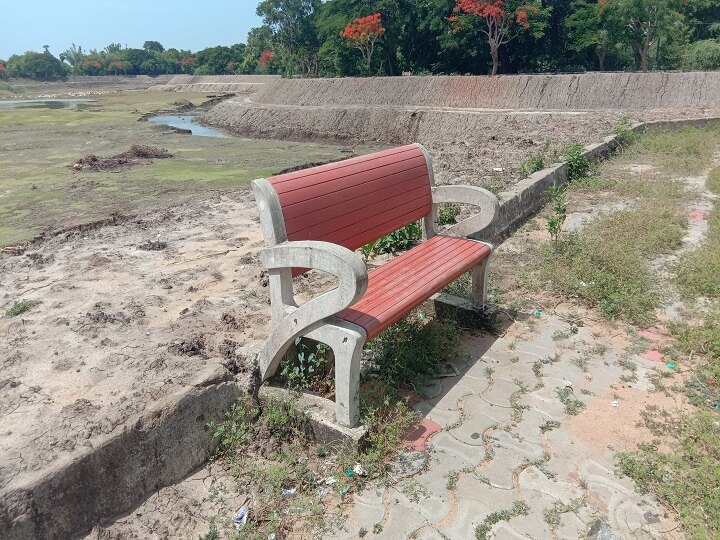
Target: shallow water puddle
186	122
70	103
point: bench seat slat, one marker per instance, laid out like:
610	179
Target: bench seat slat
423	271
310	189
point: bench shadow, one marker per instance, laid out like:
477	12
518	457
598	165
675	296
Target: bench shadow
483	336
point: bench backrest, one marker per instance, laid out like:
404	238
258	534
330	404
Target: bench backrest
350	202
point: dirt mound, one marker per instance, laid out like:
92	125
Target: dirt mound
137	154
587	91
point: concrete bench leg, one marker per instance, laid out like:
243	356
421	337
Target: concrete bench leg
480	283
346	340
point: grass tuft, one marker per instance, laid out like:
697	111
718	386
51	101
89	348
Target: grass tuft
683	474
410	352
18	308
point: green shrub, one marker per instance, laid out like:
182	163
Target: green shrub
559	211
447	214
411	351
702	55
623	134
399	240
578	164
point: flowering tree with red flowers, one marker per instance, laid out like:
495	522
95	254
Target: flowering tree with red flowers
266	58
117	66
92	66
499	20
187	64
3	70
363	33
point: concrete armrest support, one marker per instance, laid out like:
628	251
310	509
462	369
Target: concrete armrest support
333	258
476	196
325	256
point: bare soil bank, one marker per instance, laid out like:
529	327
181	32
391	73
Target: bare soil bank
478	129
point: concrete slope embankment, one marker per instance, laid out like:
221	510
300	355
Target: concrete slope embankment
239	84
587	91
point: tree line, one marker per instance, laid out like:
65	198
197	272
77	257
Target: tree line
335	38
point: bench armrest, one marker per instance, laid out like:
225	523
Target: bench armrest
463	194
325	256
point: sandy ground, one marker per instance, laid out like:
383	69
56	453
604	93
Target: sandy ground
115	327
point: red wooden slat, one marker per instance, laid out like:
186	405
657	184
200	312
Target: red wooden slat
350	232
385	156
411	178
330	181
358	209
409	280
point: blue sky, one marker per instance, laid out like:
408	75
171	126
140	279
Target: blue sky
93	24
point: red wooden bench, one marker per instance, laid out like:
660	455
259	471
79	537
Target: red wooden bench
316	218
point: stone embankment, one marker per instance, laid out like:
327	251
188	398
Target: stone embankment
238	84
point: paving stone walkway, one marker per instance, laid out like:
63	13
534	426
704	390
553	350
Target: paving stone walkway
526	444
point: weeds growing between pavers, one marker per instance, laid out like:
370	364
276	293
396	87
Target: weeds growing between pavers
519	508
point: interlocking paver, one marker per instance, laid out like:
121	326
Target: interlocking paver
445	443
492	451
529	450
503	531
444	417
532	479
498	394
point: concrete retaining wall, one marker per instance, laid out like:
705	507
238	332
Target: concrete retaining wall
585	91
160	448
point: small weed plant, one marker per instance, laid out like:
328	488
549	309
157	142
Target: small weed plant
578	164
447	214
536	162
399	240
558	209
306	365
18	308
572	404
624	135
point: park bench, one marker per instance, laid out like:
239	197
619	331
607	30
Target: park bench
317	217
